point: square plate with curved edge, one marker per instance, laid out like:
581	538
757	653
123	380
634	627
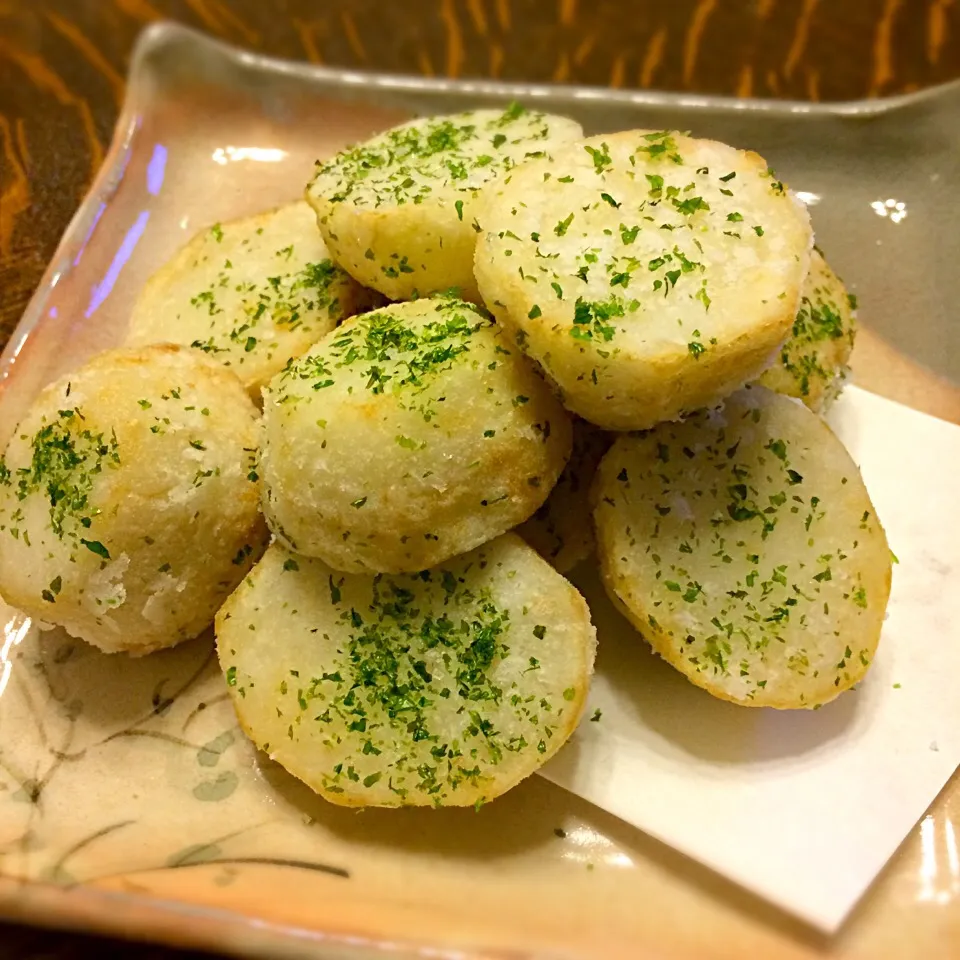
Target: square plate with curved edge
131	802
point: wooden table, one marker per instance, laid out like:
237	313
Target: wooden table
63	62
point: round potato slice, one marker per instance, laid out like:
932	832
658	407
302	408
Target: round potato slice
251	294
128	505
443	688
407	436
650	274
399	211
744	546
812	365
561	531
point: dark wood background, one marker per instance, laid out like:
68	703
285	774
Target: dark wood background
63	62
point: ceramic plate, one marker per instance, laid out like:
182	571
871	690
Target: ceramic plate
131	802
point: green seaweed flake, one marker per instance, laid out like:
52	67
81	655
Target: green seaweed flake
392	353
66	458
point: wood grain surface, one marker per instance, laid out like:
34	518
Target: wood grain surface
27	943
63	63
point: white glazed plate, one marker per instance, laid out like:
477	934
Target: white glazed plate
130	801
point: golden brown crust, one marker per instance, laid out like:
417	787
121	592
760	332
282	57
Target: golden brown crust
812	364
250	293
744	547
128	515
399	211
409	435
491	654
640	286
561	530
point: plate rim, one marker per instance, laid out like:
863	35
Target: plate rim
145	916
150	918
164	33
